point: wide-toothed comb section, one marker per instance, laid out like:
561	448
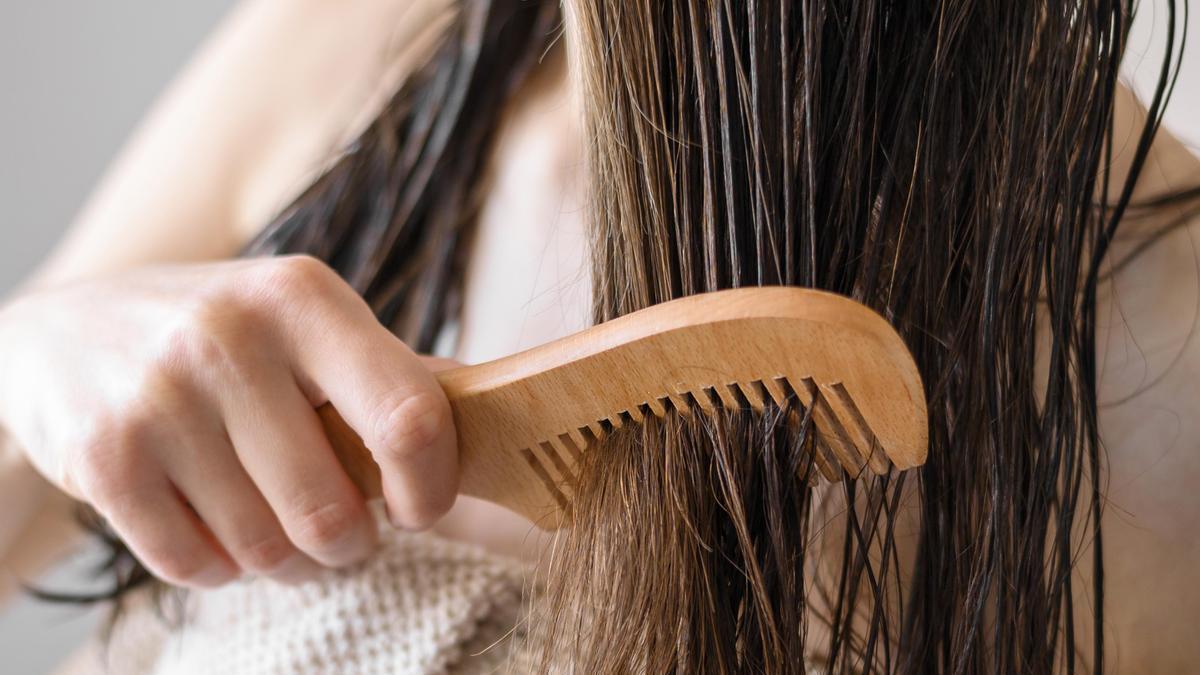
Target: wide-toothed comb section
574	442
674	403
824	458
709	399
858	428
655	407
756	393
730	396
797	417
681	402
800	357
564	446
843	438
593	432
543	475
559	470
832	431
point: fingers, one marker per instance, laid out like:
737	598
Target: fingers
129	488
389	396
220	491
280	443
250	349
166	536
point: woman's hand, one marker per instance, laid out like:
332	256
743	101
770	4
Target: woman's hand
179	402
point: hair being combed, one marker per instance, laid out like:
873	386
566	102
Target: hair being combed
937	161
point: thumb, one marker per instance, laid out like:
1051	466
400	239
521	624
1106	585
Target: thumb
437	364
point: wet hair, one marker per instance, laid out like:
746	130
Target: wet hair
937	161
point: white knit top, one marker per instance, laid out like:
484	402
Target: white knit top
421	605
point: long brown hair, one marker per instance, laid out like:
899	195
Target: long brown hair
935	160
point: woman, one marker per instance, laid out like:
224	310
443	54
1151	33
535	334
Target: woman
198	390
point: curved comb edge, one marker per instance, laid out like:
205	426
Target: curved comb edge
738	336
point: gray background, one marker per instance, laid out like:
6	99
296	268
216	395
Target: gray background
76	76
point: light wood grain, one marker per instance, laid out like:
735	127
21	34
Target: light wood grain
524	419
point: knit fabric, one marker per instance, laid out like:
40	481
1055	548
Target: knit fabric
421	605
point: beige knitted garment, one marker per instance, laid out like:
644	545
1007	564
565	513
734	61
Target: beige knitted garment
421	605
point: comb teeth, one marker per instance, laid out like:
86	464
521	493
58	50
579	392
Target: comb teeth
835	372
844	444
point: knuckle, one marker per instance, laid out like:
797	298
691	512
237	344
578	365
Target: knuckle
219	316
106	468
324	526
409	424
295	276
117	498
213	336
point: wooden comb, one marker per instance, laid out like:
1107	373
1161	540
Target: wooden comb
524	420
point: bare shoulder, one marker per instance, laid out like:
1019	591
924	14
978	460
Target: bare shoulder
1148	345
1151	293
331	65
258	111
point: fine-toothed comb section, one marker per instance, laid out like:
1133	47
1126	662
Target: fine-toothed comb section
525	421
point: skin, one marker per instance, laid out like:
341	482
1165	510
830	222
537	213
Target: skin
1148	359
1149	353
147	391
526	285
217	188
176	394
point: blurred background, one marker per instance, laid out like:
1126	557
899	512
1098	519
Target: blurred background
77	76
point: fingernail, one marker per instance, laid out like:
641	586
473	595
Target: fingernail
393	519
358	543
296	570
216	574
399	522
